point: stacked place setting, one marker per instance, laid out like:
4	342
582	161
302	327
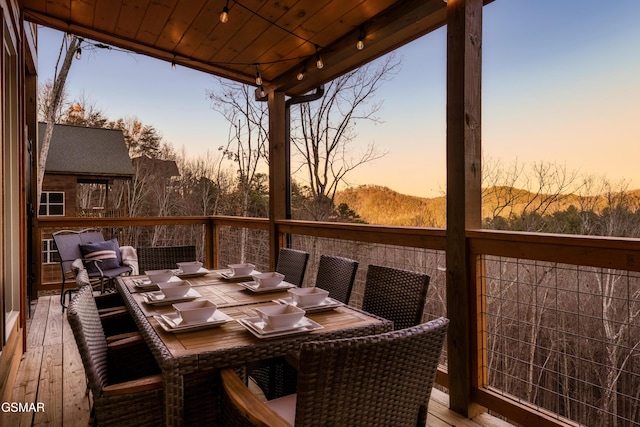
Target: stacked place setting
170	291
242	271
276	320
267	282
192	316
190	269
311	299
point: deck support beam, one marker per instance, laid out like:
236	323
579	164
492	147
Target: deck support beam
278	176
464	179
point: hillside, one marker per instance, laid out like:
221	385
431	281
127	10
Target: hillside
381	205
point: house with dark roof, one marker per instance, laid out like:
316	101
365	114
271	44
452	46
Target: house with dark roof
83	166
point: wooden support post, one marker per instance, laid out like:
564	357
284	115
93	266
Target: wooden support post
277	175
464	179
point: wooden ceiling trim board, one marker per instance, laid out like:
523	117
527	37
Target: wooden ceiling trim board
83	12
134	46
263	30
285	47
179	24
211	48
154	21
131	15
390	30
106	15
200	29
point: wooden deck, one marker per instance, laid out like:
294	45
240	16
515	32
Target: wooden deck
51	373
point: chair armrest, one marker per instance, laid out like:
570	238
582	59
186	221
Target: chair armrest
247	403
126	342
151	382
118	337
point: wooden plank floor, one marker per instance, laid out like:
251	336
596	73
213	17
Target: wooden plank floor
51	373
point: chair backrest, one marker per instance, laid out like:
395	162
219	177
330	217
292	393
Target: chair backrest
87	329
336	275
397	295
68	245
293	264
377	380
164	257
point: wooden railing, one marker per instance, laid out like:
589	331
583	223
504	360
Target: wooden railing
491	251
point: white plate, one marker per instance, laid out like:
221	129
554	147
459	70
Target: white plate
172	322
229	275
158	298
202	272
326	304
261	330
253	287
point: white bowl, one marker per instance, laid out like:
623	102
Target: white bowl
157	276
305	297
189	267
280	315
241	269
268	280
195	311
175	288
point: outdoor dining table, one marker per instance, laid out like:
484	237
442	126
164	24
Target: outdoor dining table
185	357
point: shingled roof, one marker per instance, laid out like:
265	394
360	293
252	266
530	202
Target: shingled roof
81	150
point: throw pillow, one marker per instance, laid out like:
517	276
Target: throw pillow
104	253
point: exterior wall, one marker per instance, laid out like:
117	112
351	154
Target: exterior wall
67	184
17	61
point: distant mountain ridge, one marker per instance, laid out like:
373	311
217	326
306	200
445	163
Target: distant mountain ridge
377	204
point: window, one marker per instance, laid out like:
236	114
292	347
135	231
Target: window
49	252
51	203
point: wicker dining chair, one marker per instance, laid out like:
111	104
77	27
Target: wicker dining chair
293	264
336	275
377	380
123	376
396	295
164	257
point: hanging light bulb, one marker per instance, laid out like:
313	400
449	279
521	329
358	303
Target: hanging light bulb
173	65
224	16
258	76
69	36
360	43
300	75
78	53
319	61
262	92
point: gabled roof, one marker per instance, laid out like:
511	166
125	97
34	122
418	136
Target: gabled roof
81	150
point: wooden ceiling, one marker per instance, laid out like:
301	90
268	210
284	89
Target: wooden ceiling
281	37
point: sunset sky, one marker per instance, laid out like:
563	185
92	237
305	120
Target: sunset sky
561	84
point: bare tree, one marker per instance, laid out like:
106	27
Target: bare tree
247	139
324	131
57	93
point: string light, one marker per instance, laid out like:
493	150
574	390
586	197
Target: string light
69	36
301	74
258	76
319	62
262	92
173	63
78	53
360	43
224	16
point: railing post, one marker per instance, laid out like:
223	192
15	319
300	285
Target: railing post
211	244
